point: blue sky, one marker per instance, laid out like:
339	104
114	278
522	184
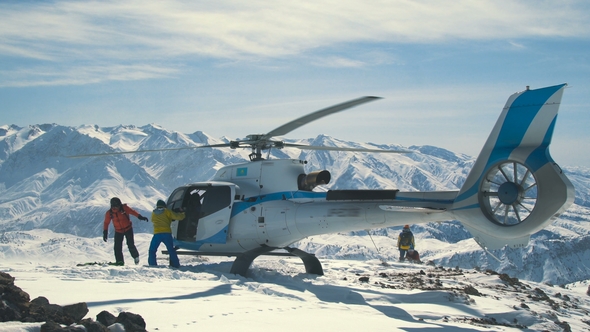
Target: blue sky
233	68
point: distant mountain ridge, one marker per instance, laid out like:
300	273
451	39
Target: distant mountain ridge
40	187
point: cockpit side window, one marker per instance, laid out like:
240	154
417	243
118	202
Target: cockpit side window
175	200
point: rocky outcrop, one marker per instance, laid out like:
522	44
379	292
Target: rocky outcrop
15	305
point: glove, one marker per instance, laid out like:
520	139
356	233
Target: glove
140	217
105	234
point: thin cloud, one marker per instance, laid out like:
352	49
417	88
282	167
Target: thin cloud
80	75
516	45
339	62
65	32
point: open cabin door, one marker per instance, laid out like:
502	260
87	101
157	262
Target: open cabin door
208	210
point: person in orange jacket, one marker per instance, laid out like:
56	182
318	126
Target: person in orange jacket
119	215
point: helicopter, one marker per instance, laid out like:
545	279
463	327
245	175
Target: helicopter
264	206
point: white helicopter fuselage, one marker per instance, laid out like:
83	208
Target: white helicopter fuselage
514	190
278	213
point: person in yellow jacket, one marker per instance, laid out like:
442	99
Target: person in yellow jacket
162	217
405	242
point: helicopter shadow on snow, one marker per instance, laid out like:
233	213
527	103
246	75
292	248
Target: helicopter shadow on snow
349	295
217	290
353	296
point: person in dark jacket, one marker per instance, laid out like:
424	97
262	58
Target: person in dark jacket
405	242
119	215
162	217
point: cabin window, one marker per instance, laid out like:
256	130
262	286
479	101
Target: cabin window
215	199
198	202
209	199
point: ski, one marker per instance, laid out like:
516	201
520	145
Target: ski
100	263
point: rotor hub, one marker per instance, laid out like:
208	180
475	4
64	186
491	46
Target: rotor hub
509	193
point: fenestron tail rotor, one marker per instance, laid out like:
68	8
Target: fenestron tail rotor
261	142
509	193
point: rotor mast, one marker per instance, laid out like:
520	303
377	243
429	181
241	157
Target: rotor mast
260	142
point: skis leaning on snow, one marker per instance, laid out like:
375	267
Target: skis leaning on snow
119	264
100	263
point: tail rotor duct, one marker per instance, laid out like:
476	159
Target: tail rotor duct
508	193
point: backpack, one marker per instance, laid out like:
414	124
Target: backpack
405	239
414	256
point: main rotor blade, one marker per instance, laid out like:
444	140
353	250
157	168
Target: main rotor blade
335	148
155	150
288	127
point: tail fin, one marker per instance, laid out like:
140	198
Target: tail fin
515	188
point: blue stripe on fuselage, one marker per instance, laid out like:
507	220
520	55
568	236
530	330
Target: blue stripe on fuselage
219	237
279	196
421	200
252	201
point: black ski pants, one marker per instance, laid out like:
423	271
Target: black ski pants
119	245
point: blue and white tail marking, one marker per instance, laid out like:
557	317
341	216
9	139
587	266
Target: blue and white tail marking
515	188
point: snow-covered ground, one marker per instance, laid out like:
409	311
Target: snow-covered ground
352	295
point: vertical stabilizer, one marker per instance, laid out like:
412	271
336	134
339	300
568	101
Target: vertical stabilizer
515	188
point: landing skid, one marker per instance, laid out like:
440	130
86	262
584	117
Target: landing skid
311	263
243	260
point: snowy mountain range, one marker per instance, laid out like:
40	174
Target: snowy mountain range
41	187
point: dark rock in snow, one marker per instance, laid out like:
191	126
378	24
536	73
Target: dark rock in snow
511	281
131	322
40	310
55	327
92	326
14	302
470	290
76	311
106	318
